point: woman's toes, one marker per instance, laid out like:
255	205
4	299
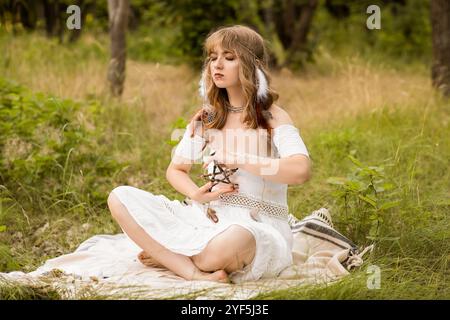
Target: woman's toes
148	260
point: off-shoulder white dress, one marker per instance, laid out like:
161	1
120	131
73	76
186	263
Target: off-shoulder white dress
184	228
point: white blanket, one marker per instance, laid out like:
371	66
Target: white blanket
108	265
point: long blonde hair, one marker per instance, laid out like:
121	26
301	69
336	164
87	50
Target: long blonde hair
251	51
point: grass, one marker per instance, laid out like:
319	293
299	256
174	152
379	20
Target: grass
15	291
383	116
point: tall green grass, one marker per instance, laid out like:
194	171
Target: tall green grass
412	249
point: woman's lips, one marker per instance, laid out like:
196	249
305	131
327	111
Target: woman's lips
218	76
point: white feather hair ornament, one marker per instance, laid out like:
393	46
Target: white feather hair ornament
202	86
262	85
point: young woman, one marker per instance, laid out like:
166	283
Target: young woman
246	235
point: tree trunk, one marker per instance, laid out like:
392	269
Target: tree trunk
118	18
440	23
267	11
300	31
289	18
267	15
28	17
50	18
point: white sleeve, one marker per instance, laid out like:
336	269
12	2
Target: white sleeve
190	148
287	140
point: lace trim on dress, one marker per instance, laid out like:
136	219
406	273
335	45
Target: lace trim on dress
246	201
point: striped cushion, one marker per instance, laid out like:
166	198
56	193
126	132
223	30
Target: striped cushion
318	226
323	232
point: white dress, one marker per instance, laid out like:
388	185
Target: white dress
185	229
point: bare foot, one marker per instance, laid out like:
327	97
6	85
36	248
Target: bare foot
148	260
217	276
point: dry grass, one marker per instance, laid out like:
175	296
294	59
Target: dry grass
352	86
163	92
346	88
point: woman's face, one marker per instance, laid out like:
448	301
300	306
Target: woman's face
224	67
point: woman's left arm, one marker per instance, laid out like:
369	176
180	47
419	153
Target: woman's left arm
295	169
293	166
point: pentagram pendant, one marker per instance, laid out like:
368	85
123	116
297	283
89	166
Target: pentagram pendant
219	170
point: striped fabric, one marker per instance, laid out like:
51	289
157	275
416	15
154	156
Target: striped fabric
319	226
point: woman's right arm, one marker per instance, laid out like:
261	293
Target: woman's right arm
178	170
178	176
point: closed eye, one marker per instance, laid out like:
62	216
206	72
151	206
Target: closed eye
228	58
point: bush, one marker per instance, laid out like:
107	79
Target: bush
364	196
51	147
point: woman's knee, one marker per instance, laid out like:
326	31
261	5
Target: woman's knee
114	204
231	249
239	238
241	248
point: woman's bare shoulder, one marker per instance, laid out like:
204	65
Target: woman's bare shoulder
279	116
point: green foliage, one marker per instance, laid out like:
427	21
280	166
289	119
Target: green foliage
196	19
406	30
405	33
154	43
7	261
364	195
51	143
173	31
179	28
179	123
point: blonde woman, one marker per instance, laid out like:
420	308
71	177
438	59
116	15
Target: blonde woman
237	229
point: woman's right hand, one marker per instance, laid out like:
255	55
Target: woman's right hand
203	194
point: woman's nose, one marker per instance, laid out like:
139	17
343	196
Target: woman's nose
219	64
